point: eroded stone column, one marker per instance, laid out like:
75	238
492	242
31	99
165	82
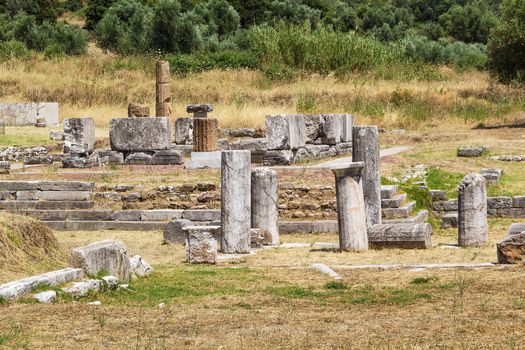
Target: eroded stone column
472	211
265	204
205	134
163	90
235	201
351	214
365	148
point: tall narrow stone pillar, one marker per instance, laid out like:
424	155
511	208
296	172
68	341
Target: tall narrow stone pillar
163	90
351	215
265	204
365	148
205	134
472	211
235	201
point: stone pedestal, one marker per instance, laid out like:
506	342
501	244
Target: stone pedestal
351	215
235	201
205	134
265	204
201	244
163	90
79	135
365	148
202	160
184	131
472	211
199	110
139	134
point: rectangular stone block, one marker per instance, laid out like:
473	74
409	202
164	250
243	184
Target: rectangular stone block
313	125
297	131
127	215
109	256
201	244
160	215
346	127
499	202
518	202
79	135
114	157
139	134
277	132
27	195
184	131
167	157
45	205
65	185
332	129
28	113
65	195
201	214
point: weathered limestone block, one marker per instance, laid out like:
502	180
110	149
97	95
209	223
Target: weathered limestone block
511	250
449	220
114	157
438	195
410	236
472	211
5	167
46	297
138	158
205	134
39	160
79	135
297	131
448	205
472	151
242	132
27	195
351	215
139	134
256	238
332	129
81	289
499	202
278	132
109	256
184	131
235	201
313	127
347	122
65	195
201	244
365	148
56	135
174	231
167	157
516	228
137	111
139	267
265	203
278	157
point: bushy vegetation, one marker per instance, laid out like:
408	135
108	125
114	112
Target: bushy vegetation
278	36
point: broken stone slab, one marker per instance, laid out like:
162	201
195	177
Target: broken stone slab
139	267
332	128
46	297
449	221
516	228
138	158
202	160
472	151
114	157
511	250
242	132
509	158
167	157
326	270
408	236
111	282
5	167
140	134
75	161
39	160
184	131
277	132
79	135
256	238
202	214
499	202
201	244
82	289
110	256
137	111
438	195
278	157
174	231
56	135
18	288
297	131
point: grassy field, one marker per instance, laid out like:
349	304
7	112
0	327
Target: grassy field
100	85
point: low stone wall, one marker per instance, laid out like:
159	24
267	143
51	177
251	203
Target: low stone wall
497	207
28	113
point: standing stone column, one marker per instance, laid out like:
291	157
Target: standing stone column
205	134
265	204
235	201
472	211
351	214
163	90
365	148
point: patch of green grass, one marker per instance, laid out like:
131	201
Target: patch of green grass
10	335
438	179
3	300
306	103
336	285
293	291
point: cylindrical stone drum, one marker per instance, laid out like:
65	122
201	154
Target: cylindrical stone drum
205	134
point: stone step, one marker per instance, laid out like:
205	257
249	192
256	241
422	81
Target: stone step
104	215
105	225
394	202
449	220
401	212
45	205
388	191
420	218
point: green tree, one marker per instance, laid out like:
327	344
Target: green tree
42	10
95	12
506	47
251	12
293	12
469	23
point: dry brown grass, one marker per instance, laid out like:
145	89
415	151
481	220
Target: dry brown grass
100	85
26	247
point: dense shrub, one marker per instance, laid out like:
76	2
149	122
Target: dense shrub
95	12
184	64
293	12
41	10
251	12
12	49
507	43
469	23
